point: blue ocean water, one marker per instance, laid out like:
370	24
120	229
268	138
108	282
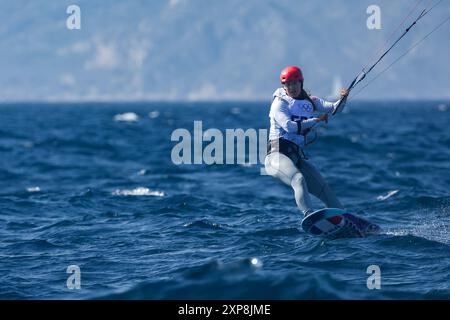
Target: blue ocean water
78	186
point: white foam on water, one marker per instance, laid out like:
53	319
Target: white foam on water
388	195
141	191
126	117
153	114
433	229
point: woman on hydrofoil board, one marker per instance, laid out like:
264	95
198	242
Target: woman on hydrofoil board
291	120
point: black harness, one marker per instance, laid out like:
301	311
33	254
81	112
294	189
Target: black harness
288	148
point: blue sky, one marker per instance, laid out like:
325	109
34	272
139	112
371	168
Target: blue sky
213	50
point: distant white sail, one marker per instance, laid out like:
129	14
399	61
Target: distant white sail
336	88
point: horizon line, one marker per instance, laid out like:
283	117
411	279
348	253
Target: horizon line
186	101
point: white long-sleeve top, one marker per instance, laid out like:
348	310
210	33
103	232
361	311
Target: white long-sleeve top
292	119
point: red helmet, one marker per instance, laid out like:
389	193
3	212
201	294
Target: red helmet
291	73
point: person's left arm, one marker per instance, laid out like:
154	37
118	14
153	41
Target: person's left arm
328	107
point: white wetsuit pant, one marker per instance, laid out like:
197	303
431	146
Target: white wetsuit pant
303	178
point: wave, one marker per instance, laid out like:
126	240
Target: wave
216	280
31	245
205	224
269	233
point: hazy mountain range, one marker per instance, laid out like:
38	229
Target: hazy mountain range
213	49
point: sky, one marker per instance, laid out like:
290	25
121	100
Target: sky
204	50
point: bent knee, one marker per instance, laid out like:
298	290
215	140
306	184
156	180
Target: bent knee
298	180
